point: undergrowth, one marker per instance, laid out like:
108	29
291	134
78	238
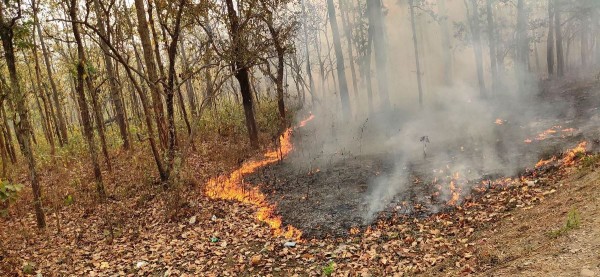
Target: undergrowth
573	222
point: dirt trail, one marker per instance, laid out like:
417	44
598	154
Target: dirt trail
520	244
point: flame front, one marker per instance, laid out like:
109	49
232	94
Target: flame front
569	157
229	187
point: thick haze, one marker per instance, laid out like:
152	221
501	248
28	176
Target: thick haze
460	125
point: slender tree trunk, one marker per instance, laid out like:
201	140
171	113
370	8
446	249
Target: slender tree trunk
157	55
3	154
170	93
8	140
279	82
120	112
492	44
184	113
339	57
38	93
241	72
550	41
321	65
345	5
522	51
560	59
148	55
63	137
446	45
81	99
22	124
191	95
368	78
476	33
585	41
97	111
537	56
280	50
411	5
377	28
307	53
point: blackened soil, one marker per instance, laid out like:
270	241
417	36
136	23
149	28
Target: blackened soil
332	199
321	202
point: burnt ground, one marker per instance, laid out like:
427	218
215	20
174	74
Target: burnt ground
331	197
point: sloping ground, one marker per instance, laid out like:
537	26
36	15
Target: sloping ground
502	230
526	243
223	238
533	241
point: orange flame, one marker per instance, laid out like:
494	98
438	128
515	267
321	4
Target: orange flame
499	121
543	162
569	157
303	122
454	190
455	194
230	187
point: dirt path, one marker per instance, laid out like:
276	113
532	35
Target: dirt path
522	244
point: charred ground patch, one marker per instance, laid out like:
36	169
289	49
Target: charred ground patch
331	192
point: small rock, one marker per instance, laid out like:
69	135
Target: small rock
192	220
255	260
213	218
530	183
289	244
140	264
586	272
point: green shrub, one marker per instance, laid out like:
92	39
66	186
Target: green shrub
8	194
329	269
573	222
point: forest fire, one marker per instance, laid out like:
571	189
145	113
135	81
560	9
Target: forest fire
553	131
569	157
231	187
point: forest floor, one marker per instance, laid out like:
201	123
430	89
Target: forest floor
512	226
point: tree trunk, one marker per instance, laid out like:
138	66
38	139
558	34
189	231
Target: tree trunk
560	58
81	100
585	41
120	112
446	45
279	82
97	111
411	5
377	29
367	69
37	89
477	47
307	53
347	25
241	73
63	137
8	140
339	57
522	50
148	55
550	41
170	93
22	124
492	44
191	95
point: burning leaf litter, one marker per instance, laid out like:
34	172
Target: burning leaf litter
231	187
